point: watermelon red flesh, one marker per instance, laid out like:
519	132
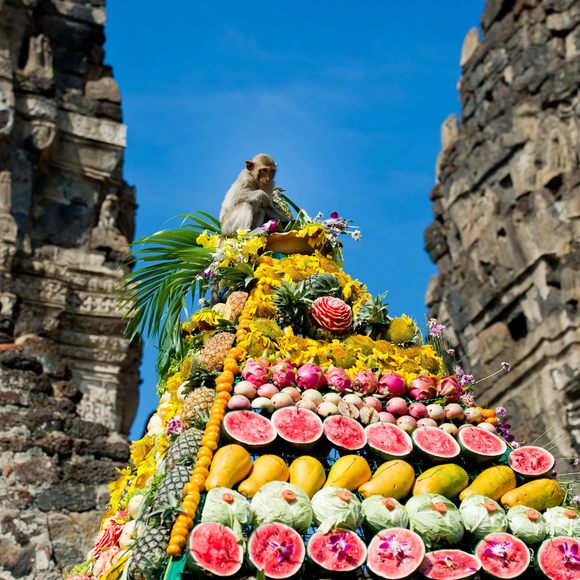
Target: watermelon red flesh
388	441
276	549
449	565
249	428
435	443
300	427
345	433
481	444
214	549
337	550
558	558
395	553
531	461
503	555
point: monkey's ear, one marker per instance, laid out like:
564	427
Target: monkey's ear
250	165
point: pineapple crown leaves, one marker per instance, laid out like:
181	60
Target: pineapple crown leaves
372	317
323	285
240	277
292	301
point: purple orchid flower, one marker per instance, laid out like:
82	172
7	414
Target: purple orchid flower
283	550
570	556
395	549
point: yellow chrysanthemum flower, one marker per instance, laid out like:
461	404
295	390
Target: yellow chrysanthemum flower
402	330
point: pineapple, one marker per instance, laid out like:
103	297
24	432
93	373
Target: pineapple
215	350
148	557
372	318
292	302
195	412
323	285
170	490
235	304
184	448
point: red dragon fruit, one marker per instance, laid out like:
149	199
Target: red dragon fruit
392	385
449	388
332	314
283	374
310	376
365	382
338	379
256	371
423	388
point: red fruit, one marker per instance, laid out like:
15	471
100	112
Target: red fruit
337	551
332	314
422	388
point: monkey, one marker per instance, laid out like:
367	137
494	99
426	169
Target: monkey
248	202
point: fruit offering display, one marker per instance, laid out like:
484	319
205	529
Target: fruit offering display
304	432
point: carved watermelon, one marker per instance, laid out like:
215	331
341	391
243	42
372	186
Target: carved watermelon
249	428
481	444
345	433
395	553
436	444
214	549
531	461
449	565
337	551
559	558
388	441
300	427
276	549
503	555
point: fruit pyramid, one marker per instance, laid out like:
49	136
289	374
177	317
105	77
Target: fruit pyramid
302	431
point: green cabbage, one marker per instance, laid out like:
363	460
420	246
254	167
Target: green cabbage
559	524
331	512
234	515
269	505
434	527
520	525
378	516
478	520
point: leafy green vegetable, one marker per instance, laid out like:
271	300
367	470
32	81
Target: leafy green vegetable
530	531
562	521
380	513
481	516
228	507
335	507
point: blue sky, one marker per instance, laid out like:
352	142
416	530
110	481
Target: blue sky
347	96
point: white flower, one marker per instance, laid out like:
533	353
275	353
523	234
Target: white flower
356	235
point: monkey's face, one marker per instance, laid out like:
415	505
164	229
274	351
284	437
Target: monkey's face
265	176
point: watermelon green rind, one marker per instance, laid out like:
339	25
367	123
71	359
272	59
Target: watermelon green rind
449	564
531	461
395	553
277	549
551	559
345	433
435	443
213	549
481	444
388	441
249	429
301	428
517	559
324	550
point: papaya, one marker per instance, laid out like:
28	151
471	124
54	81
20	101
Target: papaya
266	468
307	473
539	494
492	482
350	472
446	480
391	479
229	466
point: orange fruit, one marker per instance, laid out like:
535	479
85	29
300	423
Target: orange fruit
224	387
189	511
492	420
200	471
211	443
193	496
231	366
203	462
213	432
179	530
213	423
226	377
205	452
184	520
178	539
173	550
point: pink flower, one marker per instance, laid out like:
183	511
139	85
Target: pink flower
365	382
423	388
283	374
332	314
310	376
256	371
449	388
392	384
107	538
174	426
338	379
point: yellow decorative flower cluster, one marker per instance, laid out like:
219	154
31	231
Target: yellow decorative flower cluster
232	251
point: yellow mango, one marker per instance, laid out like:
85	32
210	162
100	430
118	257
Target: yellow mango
266	468
539	494
446	480
391	479
350	472
229	466
492	482
308	474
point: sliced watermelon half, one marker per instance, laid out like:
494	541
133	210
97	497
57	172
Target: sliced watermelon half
531	461
449	565
480	444
277	549
388	441
559	558
436	444
395	553
503	555
337	551
214	549
249	428
345	433
299	427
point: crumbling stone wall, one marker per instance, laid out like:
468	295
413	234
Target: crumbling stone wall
68	380
506	235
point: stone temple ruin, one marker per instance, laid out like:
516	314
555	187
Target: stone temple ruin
506	235
68	381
